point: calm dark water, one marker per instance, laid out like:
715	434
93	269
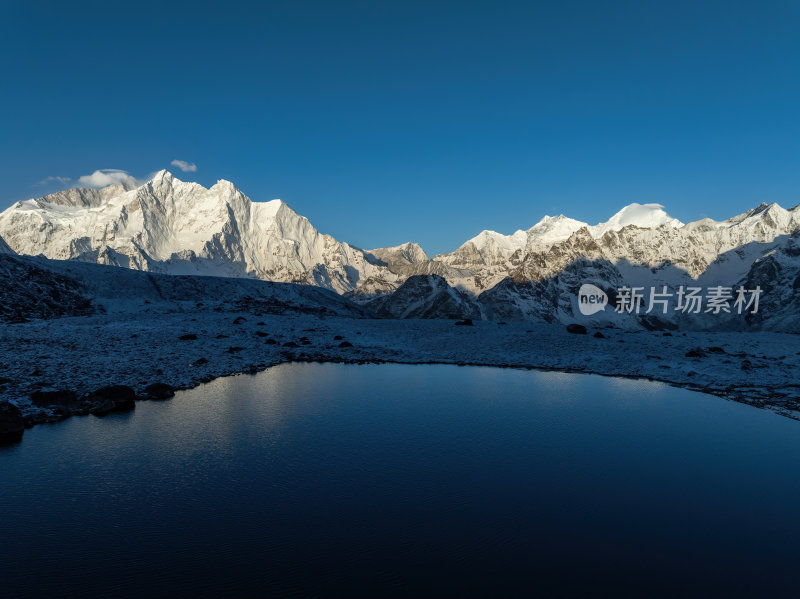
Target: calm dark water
312	479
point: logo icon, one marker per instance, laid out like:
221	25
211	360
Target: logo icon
591	299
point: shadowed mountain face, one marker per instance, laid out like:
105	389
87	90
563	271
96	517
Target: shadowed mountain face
28	289
34	287
548	290
426	296
173	227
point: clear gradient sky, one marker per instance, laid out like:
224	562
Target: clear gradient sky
385	122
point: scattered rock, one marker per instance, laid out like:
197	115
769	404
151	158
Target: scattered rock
239	320
222	336
271	341
305	341
667	334
199	362
159	391
261	334
467	322
576	329
188	337
339	338
234	349
695	353
747	365
599	335
715	350
290	344
345	344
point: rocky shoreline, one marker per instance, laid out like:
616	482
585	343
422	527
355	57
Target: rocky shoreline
54	369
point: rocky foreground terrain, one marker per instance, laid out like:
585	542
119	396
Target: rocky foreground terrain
54	369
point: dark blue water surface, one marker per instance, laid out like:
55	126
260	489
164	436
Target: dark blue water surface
344	480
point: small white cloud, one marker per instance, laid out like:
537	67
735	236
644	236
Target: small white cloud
105	177
186	167
52	179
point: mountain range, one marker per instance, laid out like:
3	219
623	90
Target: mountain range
170	226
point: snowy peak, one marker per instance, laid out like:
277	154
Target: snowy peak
399	259
643	216
769	214
82	197
413	252
504	244
163	176
409	252
552	229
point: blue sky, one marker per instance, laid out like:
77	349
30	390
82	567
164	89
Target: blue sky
425	121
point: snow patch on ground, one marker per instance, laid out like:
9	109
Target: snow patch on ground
84	353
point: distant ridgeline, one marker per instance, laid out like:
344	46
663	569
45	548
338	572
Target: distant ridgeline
640	254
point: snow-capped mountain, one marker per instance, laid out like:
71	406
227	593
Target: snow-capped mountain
492	256
174	227
536	274
643	216
757	247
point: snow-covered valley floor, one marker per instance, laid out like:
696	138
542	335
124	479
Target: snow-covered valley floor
84	353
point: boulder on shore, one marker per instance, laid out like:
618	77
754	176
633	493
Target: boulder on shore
113	398
12	425
159	391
